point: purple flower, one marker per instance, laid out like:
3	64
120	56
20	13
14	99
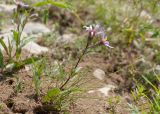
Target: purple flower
97	31
91	29
21	4
106	43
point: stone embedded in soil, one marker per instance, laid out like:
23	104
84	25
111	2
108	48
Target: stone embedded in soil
5	8
36	28
99	74
28	67
104	91
35	49
157	69
31	47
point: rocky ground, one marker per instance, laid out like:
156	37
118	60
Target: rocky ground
108	76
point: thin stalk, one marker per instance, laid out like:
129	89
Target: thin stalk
77	63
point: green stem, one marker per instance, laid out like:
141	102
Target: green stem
76	65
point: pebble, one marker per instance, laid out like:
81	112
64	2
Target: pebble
99	74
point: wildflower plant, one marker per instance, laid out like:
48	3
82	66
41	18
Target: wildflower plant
37	72
93	31
21	16
18	86
67	83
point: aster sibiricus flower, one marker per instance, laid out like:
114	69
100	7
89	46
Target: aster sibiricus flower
97	31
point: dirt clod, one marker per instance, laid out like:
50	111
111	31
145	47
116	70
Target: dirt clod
20	107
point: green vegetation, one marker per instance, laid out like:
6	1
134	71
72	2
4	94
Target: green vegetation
121	36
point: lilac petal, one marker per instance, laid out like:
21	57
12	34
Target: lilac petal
107	44
97	27
103	35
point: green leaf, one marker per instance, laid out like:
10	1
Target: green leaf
155	34
70	91
142	36
51	94
14	66
18	53
1	60
10	47
16	37
156	89
4	45
26	61
45	16
54	3
157	104
39	4
59	4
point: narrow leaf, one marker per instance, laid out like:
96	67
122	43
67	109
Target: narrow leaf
1	60
150	83
4	45
54	3
59	4
39	4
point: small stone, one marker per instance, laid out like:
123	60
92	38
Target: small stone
36	28
10	67
91	91
105	90
157	69
99	74
28	67
34	48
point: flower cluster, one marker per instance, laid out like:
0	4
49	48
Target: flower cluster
96	30
21	5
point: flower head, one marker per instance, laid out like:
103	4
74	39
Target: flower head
91	29
21	5
97	30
